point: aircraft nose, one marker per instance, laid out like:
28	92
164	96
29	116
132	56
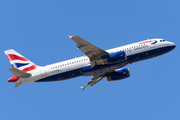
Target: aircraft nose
171	45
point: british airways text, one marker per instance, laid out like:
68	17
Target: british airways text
139	47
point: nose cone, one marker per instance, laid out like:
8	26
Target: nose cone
171	45
13	79
174	45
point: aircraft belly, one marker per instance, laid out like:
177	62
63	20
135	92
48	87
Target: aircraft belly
61	76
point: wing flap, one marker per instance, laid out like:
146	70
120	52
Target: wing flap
94	80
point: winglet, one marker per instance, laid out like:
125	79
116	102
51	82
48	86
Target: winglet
82	88
70	37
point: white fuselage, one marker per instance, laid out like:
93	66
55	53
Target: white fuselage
72	68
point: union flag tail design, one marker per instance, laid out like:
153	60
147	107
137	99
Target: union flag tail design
18	61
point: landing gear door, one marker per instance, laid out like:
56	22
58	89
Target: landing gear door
43	72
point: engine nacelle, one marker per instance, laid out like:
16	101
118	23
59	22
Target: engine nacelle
115	57
118	74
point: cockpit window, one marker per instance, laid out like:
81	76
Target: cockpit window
162	40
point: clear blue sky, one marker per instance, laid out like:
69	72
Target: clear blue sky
38	30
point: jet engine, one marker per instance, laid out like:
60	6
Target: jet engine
118	74
115	57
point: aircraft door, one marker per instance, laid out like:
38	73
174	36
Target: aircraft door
43	72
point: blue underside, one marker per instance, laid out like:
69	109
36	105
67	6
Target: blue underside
130	59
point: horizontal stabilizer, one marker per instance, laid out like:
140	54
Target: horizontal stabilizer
18	84
19	73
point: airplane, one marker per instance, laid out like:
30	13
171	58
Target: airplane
96	62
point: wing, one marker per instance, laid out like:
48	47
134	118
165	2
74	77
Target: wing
95	79
94	53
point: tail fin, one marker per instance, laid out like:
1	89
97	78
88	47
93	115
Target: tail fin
18	61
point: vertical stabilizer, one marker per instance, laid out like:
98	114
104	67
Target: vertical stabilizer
18	61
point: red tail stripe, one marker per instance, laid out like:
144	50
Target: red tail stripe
15	57
146	42
29	68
